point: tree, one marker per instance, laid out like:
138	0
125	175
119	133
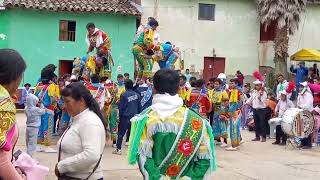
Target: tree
287	15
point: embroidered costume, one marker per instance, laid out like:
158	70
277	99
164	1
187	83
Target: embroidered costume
235	116
99	40
166	56
143	51
217	96
199	102
171	142
111	109
92	68
48	94
8	120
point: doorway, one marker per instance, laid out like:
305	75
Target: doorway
213	66
65	67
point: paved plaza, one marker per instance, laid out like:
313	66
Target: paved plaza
255	160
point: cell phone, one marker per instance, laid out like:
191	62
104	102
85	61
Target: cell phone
17	154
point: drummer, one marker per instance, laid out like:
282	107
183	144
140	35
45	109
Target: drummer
305	102
283	104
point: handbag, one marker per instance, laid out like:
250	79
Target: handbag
64	177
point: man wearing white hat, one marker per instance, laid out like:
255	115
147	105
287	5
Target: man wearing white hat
284	104
223	78
305	102
258	103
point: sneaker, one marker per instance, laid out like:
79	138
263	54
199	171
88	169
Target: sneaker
314	144
276	143
127	143
232	149
114	145
117	152
263	140
50	150
256	139
223	145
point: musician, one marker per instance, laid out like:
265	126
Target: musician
258	103
284	104
305	102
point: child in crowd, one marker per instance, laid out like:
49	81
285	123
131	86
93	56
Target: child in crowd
33	114
284	104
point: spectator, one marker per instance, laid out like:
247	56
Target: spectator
240	77
311	75
145	92
192	80
12	67
301	73
316	95
316	69
24	93
126	76
33	114
129	106
81	146
188	75
282	85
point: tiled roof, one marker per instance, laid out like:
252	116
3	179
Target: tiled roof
125	7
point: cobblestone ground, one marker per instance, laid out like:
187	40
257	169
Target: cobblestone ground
255	160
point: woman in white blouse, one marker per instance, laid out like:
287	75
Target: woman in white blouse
81	146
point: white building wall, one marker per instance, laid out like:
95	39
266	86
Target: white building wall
234	34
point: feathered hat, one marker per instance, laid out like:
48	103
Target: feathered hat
290	87
259	77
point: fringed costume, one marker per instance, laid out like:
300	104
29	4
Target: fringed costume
199	102
235	116
171	142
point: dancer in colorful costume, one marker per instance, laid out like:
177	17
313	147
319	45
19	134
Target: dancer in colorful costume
184	89
96	65
167	55
235	102
217	96
144	49
198	100
99	40
65	117
189	144
111	108
98	91
48	94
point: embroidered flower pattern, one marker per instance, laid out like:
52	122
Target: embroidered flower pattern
196	124
173	170
185	147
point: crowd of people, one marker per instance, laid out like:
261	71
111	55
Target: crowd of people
170	121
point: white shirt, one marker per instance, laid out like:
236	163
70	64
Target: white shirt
82	146
305	101
282	106
257	100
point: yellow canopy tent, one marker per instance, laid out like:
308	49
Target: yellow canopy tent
311	55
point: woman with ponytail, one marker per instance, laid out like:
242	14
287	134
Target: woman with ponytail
81	146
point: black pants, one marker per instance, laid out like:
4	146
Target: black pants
261	124
280	135
306	141
268	117
123	127
56	117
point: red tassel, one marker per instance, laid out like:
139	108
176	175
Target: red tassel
291	86
257	75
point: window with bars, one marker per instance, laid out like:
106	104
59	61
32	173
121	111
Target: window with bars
206	12
67	30
268	33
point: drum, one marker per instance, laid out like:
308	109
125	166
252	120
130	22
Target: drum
297	123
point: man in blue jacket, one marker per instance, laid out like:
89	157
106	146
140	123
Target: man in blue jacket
145	92
129	106
301	73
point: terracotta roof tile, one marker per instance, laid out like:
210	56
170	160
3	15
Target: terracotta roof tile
109	6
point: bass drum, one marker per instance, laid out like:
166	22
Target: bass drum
297	123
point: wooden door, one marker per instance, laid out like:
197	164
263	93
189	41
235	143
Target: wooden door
213	66
65	67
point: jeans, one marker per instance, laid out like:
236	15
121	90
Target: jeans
261	124
31	139
123	127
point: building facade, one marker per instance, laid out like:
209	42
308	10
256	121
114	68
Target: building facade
225	35
55	33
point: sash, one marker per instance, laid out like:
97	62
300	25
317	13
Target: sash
147	96
185	146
